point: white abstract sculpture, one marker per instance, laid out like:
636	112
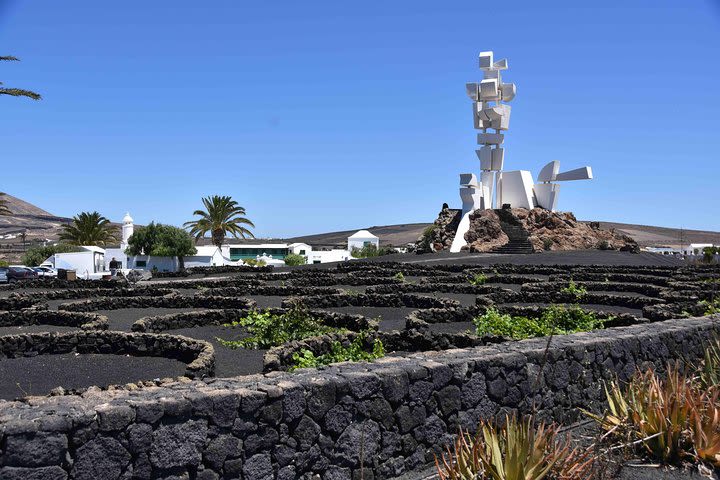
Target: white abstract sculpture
496	187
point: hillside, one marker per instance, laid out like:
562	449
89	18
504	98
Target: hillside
402	234
37	222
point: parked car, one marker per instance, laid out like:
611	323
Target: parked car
3	274
21	272
45	271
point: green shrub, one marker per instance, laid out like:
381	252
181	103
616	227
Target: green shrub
548	243
36	255
603	245
570	320
478	279
254	262
370	250
399	276
270	330
4	263
293	259
555	319
576	291
355	352
504	325
711	307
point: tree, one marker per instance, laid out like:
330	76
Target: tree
36	255
222	215
292	259
163	241
23	236
4	209
89	228
16	92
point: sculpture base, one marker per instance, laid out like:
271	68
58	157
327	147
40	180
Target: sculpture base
545	230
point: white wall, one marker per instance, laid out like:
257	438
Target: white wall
325	256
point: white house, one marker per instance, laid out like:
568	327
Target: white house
361	239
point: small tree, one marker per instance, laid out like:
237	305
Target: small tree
222	216
163	241
292	259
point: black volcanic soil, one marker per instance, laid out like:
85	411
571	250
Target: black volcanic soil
38	375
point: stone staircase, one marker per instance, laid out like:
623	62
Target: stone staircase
518	242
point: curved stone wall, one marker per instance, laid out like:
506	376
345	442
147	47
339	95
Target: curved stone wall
197	354
85	321
160	323
374	420
169	301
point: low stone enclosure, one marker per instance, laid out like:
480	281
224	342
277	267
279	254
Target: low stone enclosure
348	420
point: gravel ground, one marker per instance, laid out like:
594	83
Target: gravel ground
38	375
229	362
452	327
392	318
34	329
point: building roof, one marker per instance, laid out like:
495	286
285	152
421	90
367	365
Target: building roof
362	234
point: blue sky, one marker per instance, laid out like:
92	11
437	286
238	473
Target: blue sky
320	116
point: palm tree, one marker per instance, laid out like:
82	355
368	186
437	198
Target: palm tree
222	215
16	92
4	209
89	228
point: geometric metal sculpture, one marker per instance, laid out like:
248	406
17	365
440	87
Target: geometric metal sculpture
497	187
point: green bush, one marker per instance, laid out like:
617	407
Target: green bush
548	243
711	307
399	276
603	245
293	259
573	289
370	250
270	330
4	263
478	279
253	262
36	255
355	352
555	319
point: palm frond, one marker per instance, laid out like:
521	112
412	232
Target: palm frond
19	92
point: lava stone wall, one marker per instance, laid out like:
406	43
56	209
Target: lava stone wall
347	421
199	355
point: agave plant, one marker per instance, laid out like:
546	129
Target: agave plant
674	419
705	429
710	372
517	450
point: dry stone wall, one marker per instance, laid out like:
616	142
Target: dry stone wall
346	421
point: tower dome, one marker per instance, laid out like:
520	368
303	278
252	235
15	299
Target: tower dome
127	219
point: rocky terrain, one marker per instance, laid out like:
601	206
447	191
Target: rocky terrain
544	230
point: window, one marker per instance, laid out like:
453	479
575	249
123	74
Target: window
302	252
317	261
141	263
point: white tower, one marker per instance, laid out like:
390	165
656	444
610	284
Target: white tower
127	230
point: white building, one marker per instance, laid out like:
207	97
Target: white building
326	256
691	250
362	238
88	263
